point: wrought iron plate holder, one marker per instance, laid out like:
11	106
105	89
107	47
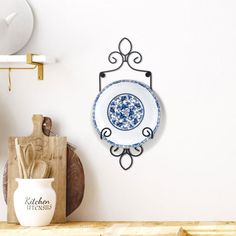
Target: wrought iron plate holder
106	132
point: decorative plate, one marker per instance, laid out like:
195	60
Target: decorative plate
126	113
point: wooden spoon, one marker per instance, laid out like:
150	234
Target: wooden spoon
39	169
29	156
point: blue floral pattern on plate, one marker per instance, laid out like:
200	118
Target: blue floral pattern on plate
125	111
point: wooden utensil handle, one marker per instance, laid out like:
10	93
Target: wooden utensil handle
37	125
20	159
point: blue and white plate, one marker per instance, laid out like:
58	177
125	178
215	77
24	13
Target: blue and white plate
126	107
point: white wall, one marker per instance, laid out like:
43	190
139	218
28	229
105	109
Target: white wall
189	172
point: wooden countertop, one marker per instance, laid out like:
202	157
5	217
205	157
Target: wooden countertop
123	228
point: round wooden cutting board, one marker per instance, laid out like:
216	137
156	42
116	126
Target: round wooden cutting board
75	174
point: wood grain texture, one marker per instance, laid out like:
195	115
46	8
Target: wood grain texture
4	181
124	228
50	149
182	232
75	181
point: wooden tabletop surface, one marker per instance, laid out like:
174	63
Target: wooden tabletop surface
123	228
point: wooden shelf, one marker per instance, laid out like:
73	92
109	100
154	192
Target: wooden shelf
123	228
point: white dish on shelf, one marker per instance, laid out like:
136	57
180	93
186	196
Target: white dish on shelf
16	25
126	108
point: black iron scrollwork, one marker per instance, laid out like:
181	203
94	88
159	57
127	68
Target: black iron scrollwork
121	152
125	55
147	132
126	151
106	132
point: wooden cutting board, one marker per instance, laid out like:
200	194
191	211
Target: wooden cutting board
53	151
75	180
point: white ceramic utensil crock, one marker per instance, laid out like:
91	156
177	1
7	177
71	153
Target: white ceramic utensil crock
34	201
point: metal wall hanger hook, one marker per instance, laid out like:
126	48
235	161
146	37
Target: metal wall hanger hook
9	79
